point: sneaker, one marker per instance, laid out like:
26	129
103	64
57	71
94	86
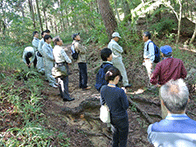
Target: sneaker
87	88
54	86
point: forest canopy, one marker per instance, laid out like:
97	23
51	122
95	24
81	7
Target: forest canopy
97	19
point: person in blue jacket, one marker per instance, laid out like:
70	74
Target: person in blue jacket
116	99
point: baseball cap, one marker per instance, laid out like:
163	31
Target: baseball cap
74	35
116	34
166	49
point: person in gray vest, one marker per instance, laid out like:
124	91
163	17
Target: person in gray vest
61	59
28	53
39	54
117	50
48	60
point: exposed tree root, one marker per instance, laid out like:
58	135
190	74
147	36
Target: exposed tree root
141	110
140	99
97	134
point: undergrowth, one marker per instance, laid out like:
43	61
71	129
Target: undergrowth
21	119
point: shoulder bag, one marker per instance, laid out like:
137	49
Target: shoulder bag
105	113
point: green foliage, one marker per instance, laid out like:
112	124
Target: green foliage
25	104
165	26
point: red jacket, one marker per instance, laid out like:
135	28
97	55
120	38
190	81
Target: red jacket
169	68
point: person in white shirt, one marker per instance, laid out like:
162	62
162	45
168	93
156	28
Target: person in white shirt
117	50
149	55
28	53
48	60
61	59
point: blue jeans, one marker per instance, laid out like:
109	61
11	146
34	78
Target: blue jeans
120	130
83	75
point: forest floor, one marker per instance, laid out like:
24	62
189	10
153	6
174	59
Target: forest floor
85	129
81	121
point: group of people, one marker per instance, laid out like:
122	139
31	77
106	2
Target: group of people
45	57
168	75
176	129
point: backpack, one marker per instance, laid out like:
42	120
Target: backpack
74	54
100	77
156	52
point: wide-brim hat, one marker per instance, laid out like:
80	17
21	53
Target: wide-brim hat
74	35
116	34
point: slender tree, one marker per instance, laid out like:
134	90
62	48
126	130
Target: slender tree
126	8
38	11
32	12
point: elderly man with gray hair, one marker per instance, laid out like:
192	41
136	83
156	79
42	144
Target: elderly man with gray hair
177	129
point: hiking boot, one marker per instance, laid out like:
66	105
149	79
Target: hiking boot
128	86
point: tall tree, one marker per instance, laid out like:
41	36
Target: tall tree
126	8
38	11
32	12
107	16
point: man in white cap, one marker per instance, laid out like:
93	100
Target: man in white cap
117	50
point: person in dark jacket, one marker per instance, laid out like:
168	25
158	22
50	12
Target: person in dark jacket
106	56
116	99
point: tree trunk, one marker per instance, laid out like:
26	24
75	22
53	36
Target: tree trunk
107	16
45	18
55	26
40	21
67	19
126	9
62	17
32	12
116	10
194	34
179	21
22	10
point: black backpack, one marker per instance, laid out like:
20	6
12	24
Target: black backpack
74	54
156	52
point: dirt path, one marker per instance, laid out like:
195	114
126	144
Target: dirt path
90	131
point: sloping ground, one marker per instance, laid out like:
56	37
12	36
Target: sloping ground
79	119
84	121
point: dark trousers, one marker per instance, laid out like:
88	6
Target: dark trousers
120	129
34	62
63	85
83	75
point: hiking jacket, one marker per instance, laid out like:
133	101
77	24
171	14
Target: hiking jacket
41	43
60	55
35	43
169	68
81	50
117	50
